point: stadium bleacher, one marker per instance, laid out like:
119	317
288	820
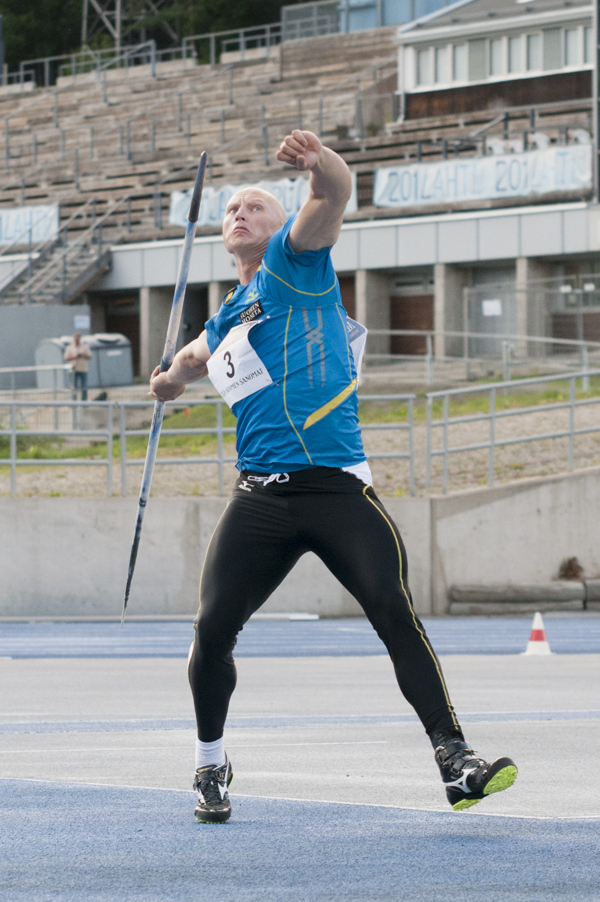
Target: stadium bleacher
109	146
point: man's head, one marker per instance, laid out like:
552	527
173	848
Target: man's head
252	216
77	337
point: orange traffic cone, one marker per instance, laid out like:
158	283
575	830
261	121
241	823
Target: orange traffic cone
538	644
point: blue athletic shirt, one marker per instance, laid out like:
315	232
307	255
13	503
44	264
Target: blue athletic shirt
294	345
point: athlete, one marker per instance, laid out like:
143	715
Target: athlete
284	355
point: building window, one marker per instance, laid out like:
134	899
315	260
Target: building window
571	46
534	52
477	70
552	48
442	65
459	62
424	67
588	44
515	53
496	56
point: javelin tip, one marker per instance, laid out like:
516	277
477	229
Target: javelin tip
197	192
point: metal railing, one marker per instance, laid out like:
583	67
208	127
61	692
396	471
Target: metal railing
219	431
10	374
38	251
46	70
407	427
511	352
14	432
494	416
309	19
208	46
116	428
89	247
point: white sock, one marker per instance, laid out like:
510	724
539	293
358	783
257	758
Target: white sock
210	753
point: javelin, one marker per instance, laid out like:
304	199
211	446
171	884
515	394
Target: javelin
165	363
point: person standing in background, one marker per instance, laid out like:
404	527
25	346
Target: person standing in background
78	354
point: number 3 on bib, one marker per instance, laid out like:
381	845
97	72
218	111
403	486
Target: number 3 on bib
227	357
235	369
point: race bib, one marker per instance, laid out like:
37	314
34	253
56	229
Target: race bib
235	369
357	336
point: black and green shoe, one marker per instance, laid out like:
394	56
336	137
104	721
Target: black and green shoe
211	784
469	779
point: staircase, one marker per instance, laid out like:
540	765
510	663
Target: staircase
68	267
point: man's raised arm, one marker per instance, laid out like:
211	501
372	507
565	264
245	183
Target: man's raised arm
319	221
188	365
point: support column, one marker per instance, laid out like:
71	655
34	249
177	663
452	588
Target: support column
531	301
216	290
155	309
448	312
98	315
372	299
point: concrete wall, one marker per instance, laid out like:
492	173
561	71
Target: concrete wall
518	533
22	327
69	556
548	230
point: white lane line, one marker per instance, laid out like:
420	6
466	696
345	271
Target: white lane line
144	788
527	817
160	748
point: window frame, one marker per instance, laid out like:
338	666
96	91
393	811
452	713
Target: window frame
453	47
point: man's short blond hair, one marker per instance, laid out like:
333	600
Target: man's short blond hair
275	204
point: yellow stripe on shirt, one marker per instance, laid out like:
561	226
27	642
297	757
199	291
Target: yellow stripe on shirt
297	290
331	405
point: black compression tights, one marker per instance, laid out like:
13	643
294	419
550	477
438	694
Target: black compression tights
259	538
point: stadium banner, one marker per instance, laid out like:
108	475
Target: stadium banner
534	172
16	222
290	192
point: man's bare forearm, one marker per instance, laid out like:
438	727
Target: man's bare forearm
330	179
188	365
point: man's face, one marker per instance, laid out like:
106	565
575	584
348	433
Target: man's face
251	218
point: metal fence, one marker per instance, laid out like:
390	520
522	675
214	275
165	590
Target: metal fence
11	379
493	417
447	354
15	430
75	420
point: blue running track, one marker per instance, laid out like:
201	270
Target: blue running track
100	844
579	634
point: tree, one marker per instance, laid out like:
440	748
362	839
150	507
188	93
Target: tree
38	28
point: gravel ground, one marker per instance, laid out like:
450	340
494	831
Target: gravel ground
391	476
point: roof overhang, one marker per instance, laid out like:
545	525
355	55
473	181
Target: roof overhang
416	35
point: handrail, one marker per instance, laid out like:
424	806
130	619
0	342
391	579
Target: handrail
529	339
19	242
211	36
110	434
127	53
42	248
493	415
484	128
42	277
46	241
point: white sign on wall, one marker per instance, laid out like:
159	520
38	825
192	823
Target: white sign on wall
492	307
16	223
290	192
535	172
